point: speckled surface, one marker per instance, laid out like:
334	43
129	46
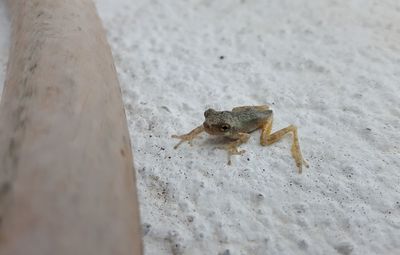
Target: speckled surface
330	67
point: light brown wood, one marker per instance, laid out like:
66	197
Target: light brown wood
67	184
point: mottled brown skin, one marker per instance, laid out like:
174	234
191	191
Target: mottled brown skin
238	124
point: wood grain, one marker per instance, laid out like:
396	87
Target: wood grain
67	183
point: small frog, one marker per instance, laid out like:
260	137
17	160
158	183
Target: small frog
237	126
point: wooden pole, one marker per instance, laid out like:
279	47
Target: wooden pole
67	184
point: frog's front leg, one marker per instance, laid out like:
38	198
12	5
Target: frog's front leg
267	139
232	146
189	136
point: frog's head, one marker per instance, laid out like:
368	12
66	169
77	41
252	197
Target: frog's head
217	123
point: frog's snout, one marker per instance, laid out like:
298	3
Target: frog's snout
208	128
211	129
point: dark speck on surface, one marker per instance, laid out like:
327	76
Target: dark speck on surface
146	229
226	252
344	248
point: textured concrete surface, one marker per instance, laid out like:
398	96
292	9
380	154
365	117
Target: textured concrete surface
329	67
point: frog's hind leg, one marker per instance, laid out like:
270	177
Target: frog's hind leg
189	136
232	146
245	108
267	139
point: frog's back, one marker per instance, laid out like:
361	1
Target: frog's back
251	119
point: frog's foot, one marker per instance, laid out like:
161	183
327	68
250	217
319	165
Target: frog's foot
232	147
189	136
233	151
267	139
298	158
183	138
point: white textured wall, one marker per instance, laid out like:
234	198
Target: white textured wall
330	67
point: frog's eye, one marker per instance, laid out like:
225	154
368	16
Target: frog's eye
225	127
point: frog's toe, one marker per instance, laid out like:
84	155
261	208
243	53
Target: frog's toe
300	168
178	136
237	152
177	145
